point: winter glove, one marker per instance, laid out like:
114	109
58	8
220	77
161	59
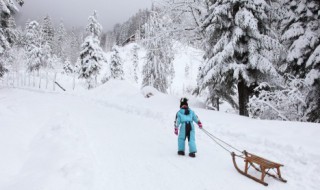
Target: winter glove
200	124
176	131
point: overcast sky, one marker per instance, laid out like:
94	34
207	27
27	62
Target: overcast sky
76	12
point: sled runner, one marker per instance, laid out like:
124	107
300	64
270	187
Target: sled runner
261	165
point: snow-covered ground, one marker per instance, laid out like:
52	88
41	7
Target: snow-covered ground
114	138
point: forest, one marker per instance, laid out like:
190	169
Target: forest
260	56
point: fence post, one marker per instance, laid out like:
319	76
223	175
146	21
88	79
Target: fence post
47	80
29	75
13	81
34	79
74	81
39	80
7	79
54	80
25	79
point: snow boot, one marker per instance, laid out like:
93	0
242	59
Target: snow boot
181	153
192	155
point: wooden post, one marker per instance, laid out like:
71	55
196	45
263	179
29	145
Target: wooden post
17	78
34	79
39	80
29	75
13	79
54	81
7	79
74	81
47	80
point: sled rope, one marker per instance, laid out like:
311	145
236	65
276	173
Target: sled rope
216	139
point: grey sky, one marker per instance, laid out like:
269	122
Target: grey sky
76	12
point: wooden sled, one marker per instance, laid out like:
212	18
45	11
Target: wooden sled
260	164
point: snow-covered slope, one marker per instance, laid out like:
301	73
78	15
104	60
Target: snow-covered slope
114	138
183	56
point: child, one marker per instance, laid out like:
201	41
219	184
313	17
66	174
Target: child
184	119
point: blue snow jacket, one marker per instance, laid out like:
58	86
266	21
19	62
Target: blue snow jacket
184	119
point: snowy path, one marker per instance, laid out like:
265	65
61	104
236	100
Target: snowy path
60	141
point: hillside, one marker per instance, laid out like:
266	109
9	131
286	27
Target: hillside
114	138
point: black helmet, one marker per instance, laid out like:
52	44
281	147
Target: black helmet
183	102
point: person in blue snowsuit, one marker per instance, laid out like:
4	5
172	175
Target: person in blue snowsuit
184	120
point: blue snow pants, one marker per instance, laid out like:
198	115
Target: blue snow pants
187	130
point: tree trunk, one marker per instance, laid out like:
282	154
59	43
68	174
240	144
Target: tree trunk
244	93
217	102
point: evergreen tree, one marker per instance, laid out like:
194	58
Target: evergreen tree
116	67
67	67
313	102
7	27
313	79
33	46
60	41
104	41
241	49
158	70
135	61
300	31
47	32
74	48
91	56
7	23
94	28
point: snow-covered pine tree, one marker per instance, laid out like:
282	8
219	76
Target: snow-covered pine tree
313	79
47	43
74	48
67	67
48	32
91	55
241	48
7	24
103	41
116	67
158	70
94	28
135	61
60	41
3	69
33	46
91	58
154	71
313	100
300	30
300	33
